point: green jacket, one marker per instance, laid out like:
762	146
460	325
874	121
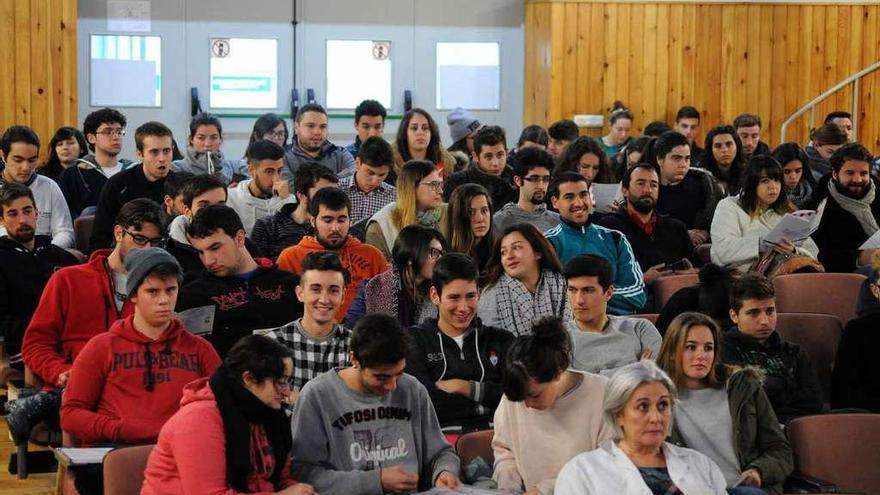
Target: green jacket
758	438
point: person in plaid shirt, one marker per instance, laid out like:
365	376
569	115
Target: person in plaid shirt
366	188
318	343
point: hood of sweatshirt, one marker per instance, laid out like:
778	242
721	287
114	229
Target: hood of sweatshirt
40	242
197	391
204	162
125	328
177	229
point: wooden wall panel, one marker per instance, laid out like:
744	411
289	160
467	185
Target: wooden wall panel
38	87
723	58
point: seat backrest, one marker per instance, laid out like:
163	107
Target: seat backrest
82	230
124	469
819	335
827	293
476	444
841	448
665	287
652	317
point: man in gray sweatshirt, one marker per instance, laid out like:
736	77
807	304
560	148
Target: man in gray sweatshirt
531	174
602	343
370	428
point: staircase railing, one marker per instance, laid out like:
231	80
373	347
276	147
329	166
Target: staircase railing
811	106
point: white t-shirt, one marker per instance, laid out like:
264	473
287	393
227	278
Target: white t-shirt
111	171
119	281
460	340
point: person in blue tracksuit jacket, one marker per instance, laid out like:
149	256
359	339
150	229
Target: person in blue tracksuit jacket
570	195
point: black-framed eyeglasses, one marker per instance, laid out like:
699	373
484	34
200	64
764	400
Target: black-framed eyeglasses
536	178
142	240
112	132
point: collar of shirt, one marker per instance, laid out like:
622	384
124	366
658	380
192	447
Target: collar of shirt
647	227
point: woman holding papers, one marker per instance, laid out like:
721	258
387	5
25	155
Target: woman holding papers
742	223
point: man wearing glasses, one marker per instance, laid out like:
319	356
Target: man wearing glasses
82	184
531	174
147	180
78	303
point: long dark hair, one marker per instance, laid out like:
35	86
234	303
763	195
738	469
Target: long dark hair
760	167
411	248
460	236
433	152
549	260
580	147
789	152
264	124
62	134
735	176
540	355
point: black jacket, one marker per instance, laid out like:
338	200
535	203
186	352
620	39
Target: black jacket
266	300
791	383
668	243
434	356
82	183
840	234
189	259
854	381
121	188
501	189
23	276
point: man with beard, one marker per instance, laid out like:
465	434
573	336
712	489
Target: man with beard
725	158
850	210
147	180
531	174
265	193
576	234
748	128
27	261
658	241
488	168
246	294
330	211
310	144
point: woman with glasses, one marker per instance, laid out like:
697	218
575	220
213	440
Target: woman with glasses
469	230
418	138
524	282
419	202
402	291
741	222
243	438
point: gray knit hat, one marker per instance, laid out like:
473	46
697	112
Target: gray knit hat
461	124
139	262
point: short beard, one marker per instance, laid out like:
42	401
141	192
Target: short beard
23	237
643	205
535	201
330	246
846	191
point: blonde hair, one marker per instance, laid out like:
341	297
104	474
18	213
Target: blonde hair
411	175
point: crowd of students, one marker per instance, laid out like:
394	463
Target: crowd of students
312	318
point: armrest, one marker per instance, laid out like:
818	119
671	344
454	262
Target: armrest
801	483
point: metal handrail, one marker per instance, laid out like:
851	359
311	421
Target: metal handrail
811	106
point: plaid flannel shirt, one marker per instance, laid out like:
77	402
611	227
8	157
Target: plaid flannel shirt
313	355
365	205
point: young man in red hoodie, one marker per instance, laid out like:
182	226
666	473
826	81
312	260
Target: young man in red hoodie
78	303
330	211
126	383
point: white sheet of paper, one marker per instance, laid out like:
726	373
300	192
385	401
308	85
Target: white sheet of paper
79	457
199	321
603	196
794	227
873	242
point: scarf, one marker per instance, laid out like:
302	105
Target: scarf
859	208
240	409
518	308
801	193
428	218
383	294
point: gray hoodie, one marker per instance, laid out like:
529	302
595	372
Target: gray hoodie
512	214
342	438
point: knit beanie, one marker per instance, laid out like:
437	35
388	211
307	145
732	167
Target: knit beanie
139	262
461	124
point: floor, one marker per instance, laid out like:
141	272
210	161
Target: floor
35	484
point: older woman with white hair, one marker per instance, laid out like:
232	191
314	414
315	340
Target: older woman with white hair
638	407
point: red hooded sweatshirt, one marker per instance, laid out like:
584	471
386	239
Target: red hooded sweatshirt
361	260
185	463
124	386
76	305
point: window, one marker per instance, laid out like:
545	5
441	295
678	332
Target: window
244	73
356	71
468	75
126	71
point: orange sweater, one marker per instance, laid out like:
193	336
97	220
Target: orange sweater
361	260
